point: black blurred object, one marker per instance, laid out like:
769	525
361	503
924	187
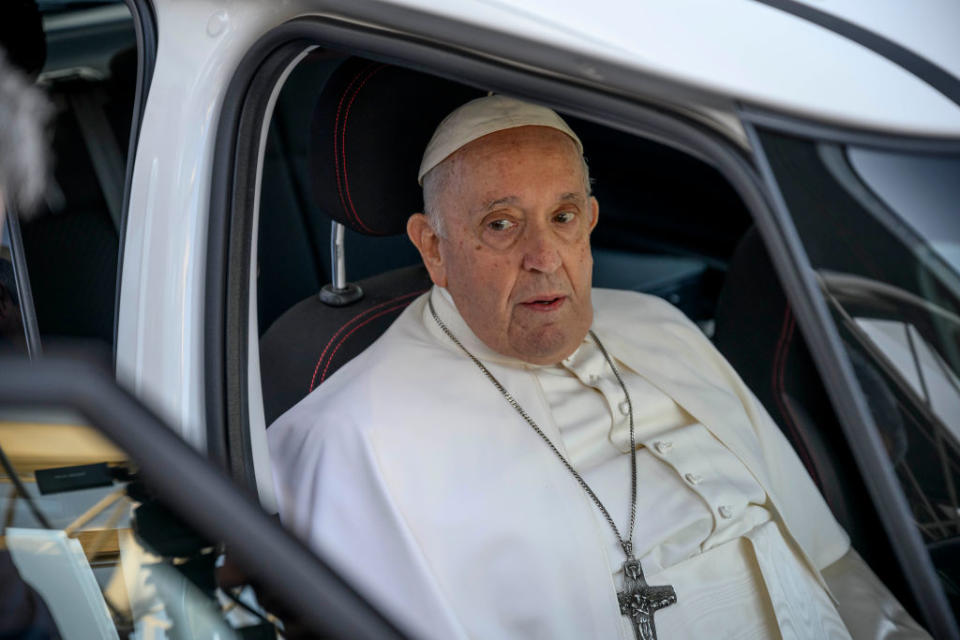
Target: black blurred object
262	631
164	533
22	36
84	476
23	613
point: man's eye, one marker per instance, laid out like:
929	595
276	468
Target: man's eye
565	216
500	225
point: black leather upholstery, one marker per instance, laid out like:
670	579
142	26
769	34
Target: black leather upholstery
370	127
311	340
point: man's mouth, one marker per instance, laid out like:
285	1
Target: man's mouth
545	303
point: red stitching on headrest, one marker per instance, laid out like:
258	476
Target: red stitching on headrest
323	376
343	149
336	128
348	323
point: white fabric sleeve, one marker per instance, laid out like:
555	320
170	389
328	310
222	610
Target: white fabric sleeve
332	496
867	607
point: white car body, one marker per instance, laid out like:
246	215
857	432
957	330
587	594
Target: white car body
725	54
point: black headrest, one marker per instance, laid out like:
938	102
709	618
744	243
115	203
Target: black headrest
22	36
370	127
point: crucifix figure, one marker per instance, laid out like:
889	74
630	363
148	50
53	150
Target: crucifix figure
639	601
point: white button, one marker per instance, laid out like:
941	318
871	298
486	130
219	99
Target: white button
693	478
725	511
624	407
662	446
593	379
568	361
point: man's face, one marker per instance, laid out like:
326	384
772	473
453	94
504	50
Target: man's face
515	254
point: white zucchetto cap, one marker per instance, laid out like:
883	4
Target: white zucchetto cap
484	116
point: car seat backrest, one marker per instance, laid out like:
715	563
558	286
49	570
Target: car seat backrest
369	128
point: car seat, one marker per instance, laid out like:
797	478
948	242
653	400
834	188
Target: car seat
363	164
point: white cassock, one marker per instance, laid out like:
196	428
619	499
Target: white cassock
409	472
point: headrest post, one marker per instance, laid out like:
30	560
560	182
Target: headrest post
338	259
339	293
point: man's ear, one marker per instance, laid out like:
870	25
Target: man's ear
595	211
427	242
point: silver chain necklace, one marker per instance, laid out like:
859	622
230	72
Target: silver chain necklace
638	601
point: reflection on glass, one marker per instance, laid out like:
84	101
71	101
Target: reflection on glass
83	536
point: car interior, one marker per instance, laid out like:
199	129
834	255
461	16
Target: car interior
670	225
338	174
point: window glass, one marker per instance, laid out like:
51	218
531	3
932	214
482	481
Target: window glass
71	245
882	231
923	190
12	336
85	545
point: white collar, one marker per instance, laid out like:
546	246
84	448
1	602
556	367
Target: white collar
447	310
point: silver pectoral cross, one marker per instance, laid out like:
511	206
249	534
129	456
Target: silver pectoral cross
639	601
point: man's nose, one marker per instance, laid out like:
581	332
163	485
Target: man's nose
541	251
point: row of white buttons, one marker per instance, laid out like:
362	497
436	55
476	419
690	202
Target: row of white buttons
663	447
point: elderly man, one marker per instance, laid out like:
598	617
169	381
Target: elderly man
522	456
